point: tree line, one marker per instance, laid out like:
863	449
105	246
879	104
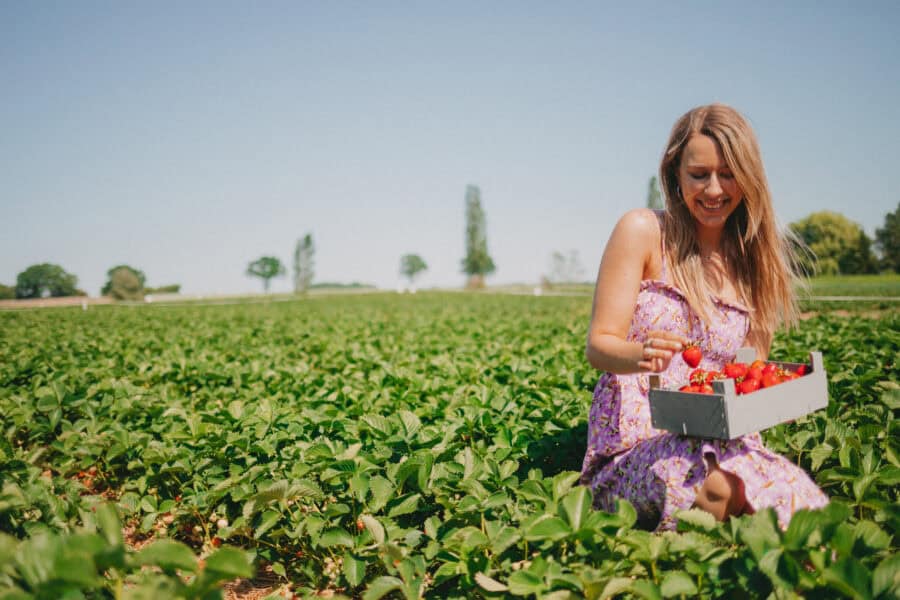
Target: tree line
123	282
839	247
476	264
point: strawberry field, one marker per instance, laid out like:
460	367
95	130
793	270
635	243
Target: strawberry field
396	446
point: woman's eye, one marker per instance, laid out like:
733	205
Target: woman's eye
727	175
698	176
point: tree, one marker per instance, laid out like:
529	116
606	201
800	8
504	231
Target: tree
125	284
565	268
136	273
39	281
654	198
7	292
266	268
477	262
887	240
303	263
411	265
840	245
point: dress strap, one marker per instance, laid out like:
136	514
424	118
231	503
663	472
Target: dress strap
660	216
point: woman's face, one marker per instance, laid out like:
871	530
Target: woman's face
708	187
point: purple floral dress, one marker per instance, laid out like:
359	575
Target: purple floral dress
660	473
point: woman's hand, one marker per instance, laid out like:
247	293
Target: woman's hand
658	349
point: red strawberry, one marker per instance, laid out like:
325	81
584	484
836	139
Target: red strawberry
698	376
802	370
705	389
769	379
735	370
692	356
770	368
748	386
691	389
753	373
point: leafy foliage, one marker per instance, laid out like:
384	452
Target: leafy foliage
46	279
411	265
654	198
477	263
125	283
304	253
840	245
266	268
400	446
887	240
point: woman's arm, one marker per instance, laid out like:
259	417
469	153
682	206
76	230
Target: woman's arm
626	261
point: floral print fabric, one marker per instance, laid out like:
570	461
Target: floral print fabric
660	472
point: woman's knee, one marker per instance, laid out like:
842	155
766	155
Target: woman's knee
721	494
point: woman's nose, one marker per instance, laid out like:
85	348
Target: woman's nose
713	188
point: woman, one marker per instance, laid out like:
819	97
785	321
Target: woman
713	270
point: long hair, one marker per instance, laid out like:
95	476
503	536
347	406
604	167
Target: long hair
759	256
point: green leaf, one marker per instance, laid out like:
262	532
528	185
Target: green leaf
269	519
354	569
381	587
374	527
850	578
549	528
109	524
168	555
336	536
563	482
409	504
382	491
871	535
820	454
886	576
677	583
490	585
230	563
646	589
803	523
524	583
696	519
577	506
615	586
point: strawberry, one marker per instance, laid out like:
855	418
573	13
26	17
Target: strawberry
769	379
691	389
735	370
753	373
705	389
748	386
698	376
770	368
692	356
802	370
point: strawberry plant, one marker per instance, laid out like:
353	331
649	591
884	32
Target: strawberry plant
384	446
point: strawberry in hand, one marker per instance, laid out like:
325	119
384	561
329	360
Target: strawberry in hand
692	356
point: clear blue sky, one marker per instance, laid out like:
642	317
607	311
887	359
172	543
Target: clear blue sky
188	138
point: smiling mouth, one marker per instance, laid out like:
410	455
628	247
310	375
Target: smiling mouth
713	204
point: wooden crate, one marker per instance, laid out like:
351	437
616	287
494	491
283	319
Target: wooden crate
726	415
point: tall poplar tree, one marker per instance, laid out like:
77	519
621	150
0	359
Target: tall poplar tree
477	262
654	198
304	253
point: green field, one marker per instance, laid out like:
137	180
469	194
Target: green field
395	446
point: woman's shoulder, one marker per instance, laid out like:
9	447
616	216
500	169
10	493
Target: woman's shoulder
643	224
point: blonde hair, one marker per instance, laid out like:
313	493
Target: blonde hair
758	255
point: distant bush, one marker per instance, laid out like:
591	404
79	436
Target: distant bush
355	284
175	288
7	292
